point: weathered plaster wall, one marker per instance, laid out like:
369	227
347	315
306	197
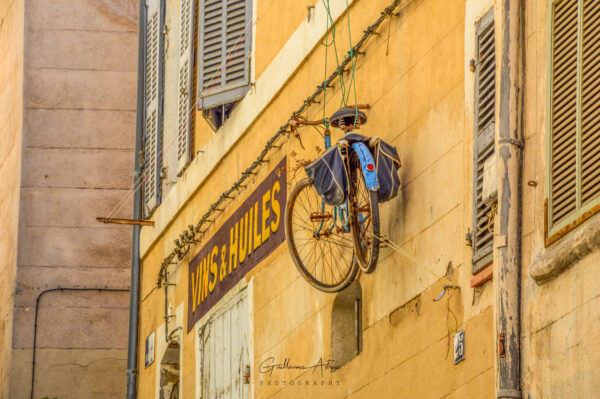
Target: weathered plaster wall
79	128
560	317
416	89
11	121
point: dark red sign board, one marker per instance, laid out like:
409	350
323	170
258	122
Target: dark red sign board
251	233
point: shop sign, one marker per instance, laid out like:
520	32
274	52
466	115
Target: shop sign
251	233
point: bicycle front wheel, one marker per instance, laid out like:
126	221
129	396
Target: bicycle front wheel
322	252
364	223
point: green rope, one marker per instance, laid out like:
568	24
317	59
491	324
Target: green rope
345	87
353	60
337	61
325	121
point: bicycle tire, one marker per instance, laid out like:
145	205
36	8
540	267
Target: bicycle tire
366	243
345	279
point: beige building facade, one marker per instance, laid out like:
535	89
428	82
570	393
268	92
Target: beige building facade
68	109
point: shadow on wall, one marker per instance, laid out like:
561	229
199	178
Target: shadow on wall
346	325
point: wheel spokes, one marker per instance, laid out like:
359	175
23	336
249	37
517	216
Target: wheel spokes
326	254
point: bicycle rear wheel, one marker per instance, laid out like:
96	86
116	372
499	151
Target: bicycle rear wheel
322	252
364	223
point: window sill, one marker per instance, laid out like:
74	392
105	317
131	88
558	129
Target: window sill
482	276
563	254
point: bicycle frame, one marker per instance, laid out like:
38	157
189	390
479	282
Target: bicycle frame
370	175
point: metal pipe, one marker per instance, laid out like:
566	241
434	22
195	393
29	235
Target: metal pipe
132	345
166	285
509	145
37	305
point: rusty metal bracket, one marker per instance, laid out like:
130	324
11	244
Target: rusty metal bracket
126	221
446	288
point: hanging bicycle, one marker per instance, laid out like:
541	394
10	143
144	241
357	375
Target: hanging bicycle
332	216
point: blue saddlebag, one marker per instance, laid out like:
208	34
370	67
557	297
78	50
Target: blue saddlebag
387	163
329	176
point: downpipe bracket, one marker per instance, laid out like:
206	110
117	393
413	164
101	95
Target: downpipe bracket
516	142
509	393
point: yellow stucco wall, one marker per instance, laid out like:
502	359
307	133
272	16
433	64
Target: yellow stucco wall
11	122
415	85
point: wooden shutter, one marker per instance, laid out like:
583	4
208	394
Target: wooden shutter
485	101
224	351
185	84
563	155
574	99
224	45
153	106
590	102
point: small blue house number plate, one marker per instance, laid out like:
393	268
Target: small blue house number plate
459	346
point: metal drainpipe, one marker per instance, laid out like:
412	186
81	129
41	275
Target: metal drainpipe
132	347
508	241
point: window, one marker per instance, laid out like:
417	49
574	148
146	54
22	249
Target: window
346	325
153	107
485	101
573	174
224	351
224	47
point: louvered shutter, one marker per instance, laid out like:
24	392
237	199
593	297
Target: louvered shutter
485	100
185	84
574	141
590	102
153	108
563	154
225	31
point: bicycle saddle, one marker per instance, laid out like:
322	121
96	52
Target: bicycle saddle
348	119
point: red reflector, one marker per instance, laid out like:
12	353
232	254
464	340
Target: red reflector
370	166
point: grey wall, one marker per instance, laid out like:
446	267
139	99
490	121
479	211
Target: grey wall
77	164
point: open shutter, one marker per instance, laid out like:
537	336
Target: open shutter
185	84
590	102
224	44
485	101
153	114
563	141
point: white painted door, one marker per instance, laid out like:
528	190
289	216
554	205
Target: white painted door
224	351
